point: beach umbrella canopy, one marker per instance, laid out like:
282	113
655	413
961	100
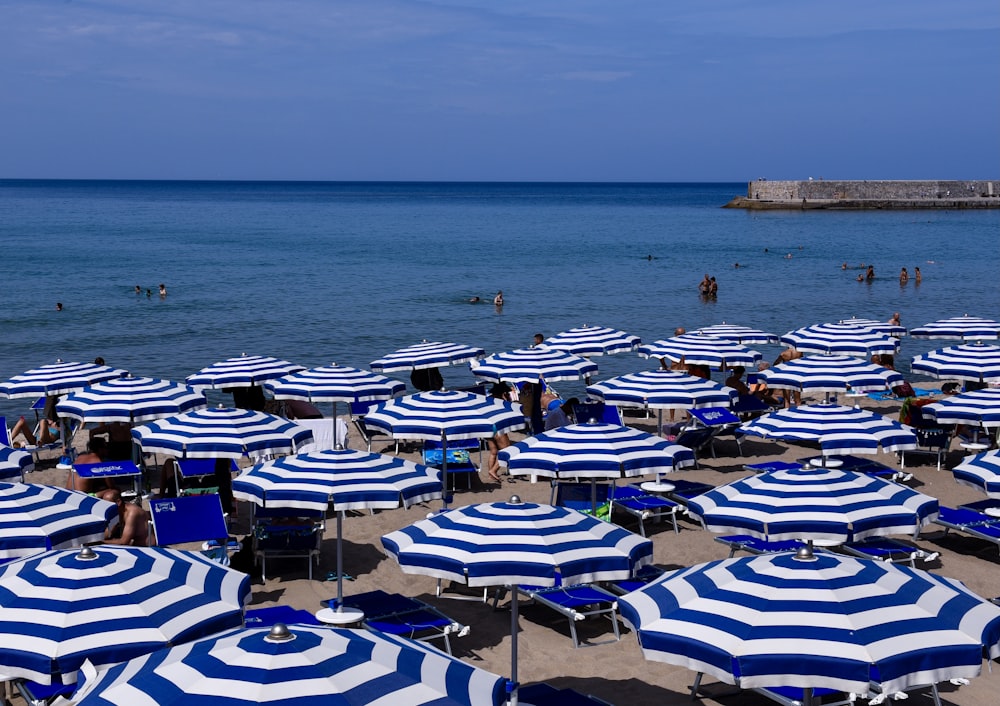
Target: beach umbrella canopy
109	604
295	664
663	389
977	407
699	349
532	364
830	373
14	463
516	543
841	339
875	325
961	328
594	451
980	471
823	621
59	378
242	371
743	335
590	341
824	505
130	399
837	429
426	354
221	433
34	518
340	480
977	362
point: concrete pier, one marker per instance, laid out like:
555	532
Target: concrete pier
820	194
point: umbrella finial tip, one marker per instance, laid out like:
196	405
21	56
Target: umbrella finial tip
279	632
515	500
86	554
805	553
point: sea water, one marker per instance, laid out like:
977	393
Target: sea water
317	273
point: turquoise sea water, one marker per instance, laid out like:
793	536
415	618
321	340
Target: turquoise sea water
347	272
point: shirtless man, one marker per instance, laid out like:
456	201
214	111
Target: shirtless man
97	454
133	523
735	380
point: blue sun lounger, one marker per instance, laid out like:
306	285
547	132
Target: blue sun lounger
755	545
971	522
888	549
644	506
193	518
270	616
544	694
35	694
396	614
643	577
684	490
577	603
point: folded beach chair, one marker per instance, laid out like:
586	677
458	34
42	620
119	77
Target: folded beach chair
287	533
396	614
644	506
544	694
931	441
755	545
576	603
970	522
195	518
888	549
459	460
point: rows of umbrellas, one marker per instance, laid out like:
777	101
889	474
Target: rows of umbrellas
941	630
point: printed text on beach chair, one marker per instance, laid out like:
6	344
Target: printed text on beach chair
888	549
645	506
932	441
755	545
459	460
111	469
396	614
576	603
287	533
196	518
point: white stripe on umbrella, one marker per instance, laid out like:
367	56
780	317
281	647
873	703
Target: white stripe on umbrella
427	354
532	364
875	325
130	399
833	622
962	328
34	518
841	339
58	378
312	666
221	433
739	334
663	389
979	407
825	505
837	429
451	413
107	605
977	362
243	371
590	341
981	471
699	349
830	373
14	463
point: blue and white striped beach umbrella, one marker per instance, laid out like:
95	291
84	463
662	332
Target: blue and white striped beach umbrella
426	354
876	325
825	505
295	664
976	407
977	362
532	364
59	378
829	621
594	451
445	413
841	339
107	605
14	463
699	349
340	480
221	433
960	328
242	371
130	399
830	373
837	429
591	341
743	335
980	471
517	543
34	518
663	389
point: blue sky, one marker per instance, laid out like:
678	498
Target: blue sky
574	90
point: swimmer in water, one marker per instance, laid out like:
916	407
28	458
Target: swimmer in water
474	300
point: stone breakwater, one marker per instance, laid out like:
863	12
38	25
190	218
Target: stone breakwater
820	194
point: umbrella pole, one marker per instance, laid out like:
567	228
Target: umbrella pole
593	496
444	470
336	441
340	561
513	645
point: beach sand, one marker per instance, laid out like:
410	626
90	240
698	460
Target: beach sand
614	672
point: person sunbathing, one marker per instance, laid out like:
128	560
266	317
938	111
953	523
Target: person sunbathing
48	432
